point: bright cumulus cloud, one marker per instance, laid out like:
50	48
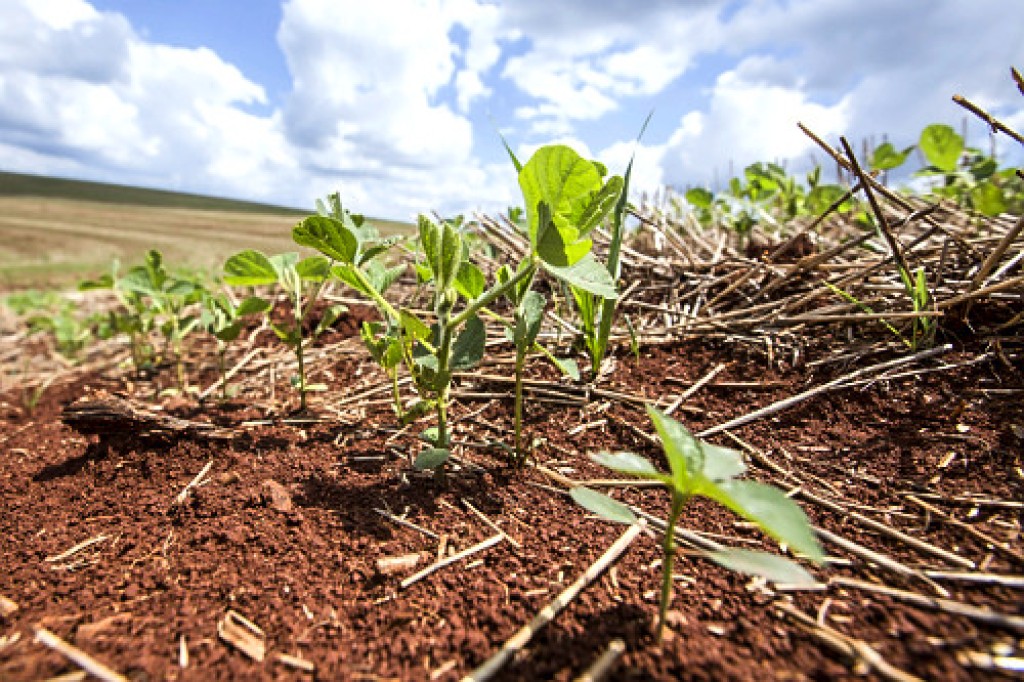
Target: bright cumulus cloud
399	105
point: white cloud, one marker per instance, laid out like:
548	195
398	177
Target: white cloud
384	98
747	121
163	115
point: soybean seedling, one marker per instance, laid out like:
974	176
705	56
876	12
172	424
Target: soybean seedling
302	281
169	298
699	468
134	318
566	197
354	248
222	317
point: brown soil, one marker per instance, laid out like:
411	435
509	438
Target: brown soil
286	533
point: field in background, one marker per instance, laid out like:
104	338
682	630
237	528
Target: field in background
54	232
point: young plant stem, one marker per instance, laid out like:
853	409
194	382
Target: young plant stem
222	351
518	414
299	316
668	558
444	350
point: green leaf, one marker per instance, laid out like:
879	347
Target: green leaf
568	367
382	277
885	157
630	464
768	507
987	199
771	566
558	247
563	180
529	318
586	274
313	269
182	287
822	196
721	464
431	458
369	332
984	168
423	273
414	328
585	305
105	281
682	449
253	305
330	316
468	349
430	240
600	205
139	280
329	236
349	274
602	505
511	154
380	248
942	146
470	281
249	268
699	197
229	333
451	256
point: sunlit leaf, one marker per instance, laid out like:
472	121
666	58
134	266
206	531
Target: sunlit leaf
329	236
602	505
630	464
468	349
771	566
586	274
776	514
249	268
885	157
942	146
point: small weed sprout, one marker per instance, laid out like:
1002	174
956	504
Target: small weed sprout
597	312
698	468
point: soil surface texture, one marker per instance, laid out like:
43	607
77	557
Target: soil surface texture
286	558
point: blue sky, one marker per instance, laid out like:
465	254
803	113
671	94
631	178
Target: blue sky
395	104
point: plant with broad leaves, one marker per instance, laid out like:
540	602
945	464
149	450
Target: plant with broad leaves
566	197
765	195
886	157
223	317
170	296
57	315
699	468
355	249
301	281
134	318
154	299
968	176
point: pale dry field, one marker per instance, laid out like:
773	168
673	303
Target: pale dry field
45	241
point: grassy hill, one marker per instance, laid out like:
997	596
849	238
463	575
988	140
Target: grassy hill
24	185
55	232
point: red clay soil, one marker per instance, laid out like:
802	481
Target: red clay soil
286	533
